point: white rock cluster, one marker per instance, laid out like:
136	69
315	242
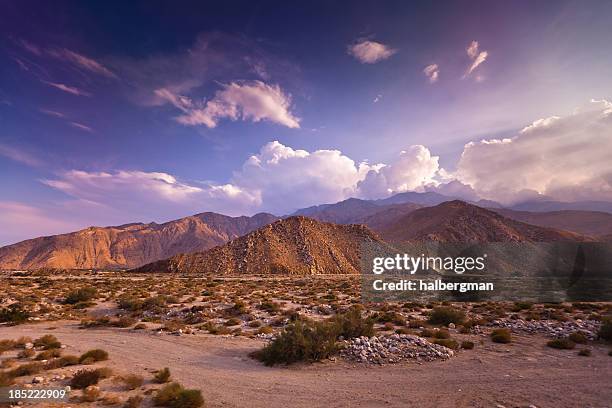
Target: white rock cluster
552	328
393	349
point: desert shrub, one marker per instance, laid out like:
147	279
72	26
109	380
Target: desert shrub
563	344
232	322
48	341
27	369
132	381
26	353
130	303
124	321
94	355
270	307
218	330
467	345
441	334
578	337
13	314
90	394
351	324
80	295
605	332
104	372
6	345
518	306
162	376
155	303
585	352
48	354
392	317
85	378
450	343
446	315
140	326
501	335
133	402
254	324
265	330
303	340
174	395
61	362
426	333
22	341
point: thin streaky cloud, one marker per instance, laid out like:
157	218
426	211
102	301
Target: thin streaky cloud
81	126
83	62
66	88
52	113
19	156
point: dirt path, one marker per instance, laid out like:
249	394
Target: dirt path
523	373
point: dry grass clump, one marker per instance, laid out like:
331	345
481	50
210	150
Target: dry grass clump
162	376
92	356
450	343
563	344
467	345
85	378
90	393
14	314
131	381
605	332
133	402
585	352
578	338
48	341
501	336
80	295
27	369
26	353
446	315
174	395
48	354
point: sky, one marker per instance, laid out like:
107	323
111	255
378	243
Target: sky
142	111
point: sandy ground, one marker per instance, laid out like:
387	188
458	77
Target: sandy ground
519	374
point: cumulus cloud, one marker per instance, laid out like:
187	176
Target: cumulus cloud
370	52
66	88
477	57
566	158
432	72
412	170
249	100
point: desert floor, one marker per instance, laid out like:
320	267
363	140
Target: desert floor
522	373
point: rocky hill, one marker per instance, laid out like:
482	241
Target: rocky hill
130	245
457	221
293	246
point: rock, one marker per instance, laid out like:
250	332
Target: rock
451	325
38	380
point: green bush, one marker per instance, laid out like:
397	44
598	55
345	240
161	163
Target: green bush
450	343
174	395
578	337
303	340
94	355
162	376
80	295
605	332
501	336
467	345
351	324
85	378
446	315
563	344
13	314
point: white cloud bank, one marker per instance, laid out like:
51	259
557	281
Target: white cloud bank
564	158
370	52
249	100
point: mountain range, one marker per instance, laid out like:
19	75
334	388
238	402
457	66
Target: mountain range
228	242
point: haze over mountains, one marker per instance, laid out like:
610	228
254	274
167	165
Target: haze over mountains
428	216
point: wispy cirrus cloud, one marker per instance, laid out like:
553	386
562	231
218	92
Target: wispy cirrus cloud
247	100
81	126
19	155
370	52
52	113
478	57
67	88
432	72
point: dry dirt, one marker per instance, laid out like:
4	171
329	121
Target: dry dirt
518	374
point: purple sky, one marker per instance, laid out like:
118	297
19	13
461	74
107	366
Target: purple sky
150	111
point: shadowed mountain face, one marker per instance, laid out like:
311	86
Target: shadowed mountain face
295	245
129	245
457	221
593	223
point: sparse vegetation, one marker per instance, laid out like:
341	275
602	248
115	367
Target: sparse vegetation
605	332
162	376
85	378
502	335
80	295
563	344
446	315
93	356
174	395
